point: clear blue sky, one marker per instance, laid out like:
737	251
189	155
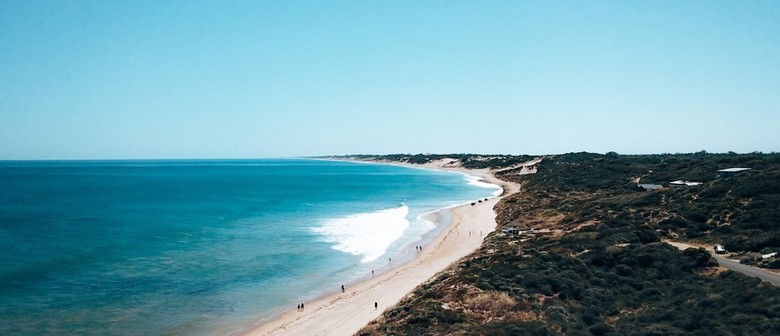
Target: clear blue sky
242	79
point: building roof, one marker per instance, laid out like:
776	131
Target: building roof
733	170
685	183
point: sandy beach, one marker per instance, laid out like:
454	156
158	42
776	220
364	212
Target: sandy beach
345	313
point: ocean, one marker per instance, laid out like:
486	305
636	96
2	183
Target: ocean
201	247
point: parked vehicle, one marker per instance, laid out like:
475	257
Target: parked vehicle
719	249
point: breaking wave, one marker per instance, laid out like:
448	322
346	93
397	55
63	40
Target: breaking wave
478	182
365	234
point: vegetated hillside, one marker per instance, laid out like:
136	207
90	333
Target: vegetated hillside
594	263
742	212
471	161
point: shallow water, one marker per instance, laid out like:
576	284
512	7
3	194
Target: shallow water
192	247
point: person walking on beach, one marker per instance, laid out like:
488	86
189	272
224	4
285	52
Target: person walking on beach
376	305
301	306
342	288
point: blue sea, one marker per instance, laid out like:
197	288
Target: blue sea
201	247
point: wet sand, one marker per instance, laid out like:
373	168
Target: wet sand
345	313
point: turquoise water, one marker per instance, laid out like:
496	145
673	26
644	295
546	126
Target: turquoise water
199	247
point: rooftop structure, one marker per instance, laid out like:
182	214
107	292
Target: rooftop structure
681	183
728	172
733	170
648	186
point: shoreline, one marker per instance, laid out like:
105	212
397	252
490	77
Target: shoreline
346	313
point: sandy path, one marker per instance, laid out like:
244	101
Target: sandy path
345	313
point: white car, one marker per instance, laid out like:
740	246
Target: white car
719	249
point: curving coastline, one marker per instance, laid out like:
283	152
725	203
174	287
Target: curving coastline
345	313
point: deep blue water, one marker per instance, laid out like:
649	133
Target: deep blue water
198	247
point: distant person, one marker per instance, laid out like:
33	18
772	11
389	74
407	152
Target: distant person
376	305
342	288
301	306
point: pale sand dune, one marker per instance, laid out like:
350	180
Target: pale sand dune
346	313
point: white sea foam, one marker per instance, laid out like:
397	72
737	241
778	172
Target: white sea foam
478	182
366	234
